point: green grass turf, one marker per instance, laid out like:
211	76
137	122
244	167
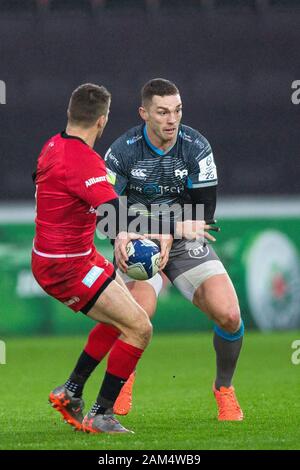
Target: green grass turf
173	404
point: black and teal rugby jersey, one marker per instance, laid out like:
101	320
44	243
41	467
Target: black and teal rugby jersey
147	175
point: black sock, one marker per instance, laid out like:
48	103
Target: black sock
84	367
227	353
110	389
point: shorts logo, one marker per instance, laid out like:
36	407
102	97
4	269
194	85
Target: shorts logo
92	276
71	301
98	179
199	252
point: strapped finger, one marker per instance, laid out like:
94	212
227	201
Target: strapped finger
209	236
214	229
211	221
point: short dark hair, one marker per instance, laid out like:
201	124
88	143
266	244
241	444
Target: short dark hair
88	102
158	86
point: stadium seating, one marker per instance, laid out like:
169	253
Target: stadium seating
139	6
285	3
236	4
16	6
125	4
238	70
179	5
81	6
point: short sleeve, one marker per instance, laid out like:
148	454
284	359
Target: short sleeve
89	181
202	167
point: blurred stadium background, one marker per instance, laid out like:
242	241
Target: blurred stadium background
234	62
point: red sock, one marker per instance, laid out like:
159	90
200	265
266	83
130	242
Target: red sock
123	359
100	340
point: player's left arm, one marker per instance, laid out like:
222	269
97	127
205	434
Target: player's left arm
206	197
202	182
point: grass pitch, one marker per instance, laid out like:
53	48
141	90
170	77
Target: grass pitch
173	404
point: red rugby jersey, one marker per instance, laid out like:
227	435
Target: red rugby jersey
70	183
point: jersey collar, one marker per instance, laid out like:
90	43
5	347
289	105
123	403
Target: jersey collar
64	135
155	149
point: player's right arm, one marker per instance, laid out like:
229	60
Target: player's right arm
88	181
117	173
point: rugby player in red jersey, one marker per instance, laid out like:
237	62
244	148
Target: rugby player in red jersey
71	182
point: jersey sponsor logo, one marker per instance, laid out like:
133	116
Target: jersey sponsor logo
72	301
109	155
139	172
199	252
97	179
181	173
207	169
151	189
185	136
200	143
92	276
111	176
133	140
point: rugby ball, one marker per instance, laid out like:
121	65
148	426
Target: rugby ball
143	259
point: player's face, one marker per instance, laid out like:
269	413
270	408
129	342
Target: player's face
163	116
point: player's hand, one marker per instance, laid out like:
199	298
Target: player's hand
121	243
165	241
196	229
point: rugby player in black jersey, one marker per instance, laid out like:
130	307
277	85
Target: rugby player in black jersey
162	161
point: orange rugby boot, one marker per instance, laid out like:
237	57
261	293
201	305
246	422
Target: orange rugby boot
228	406
69	407
123	403
103	423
